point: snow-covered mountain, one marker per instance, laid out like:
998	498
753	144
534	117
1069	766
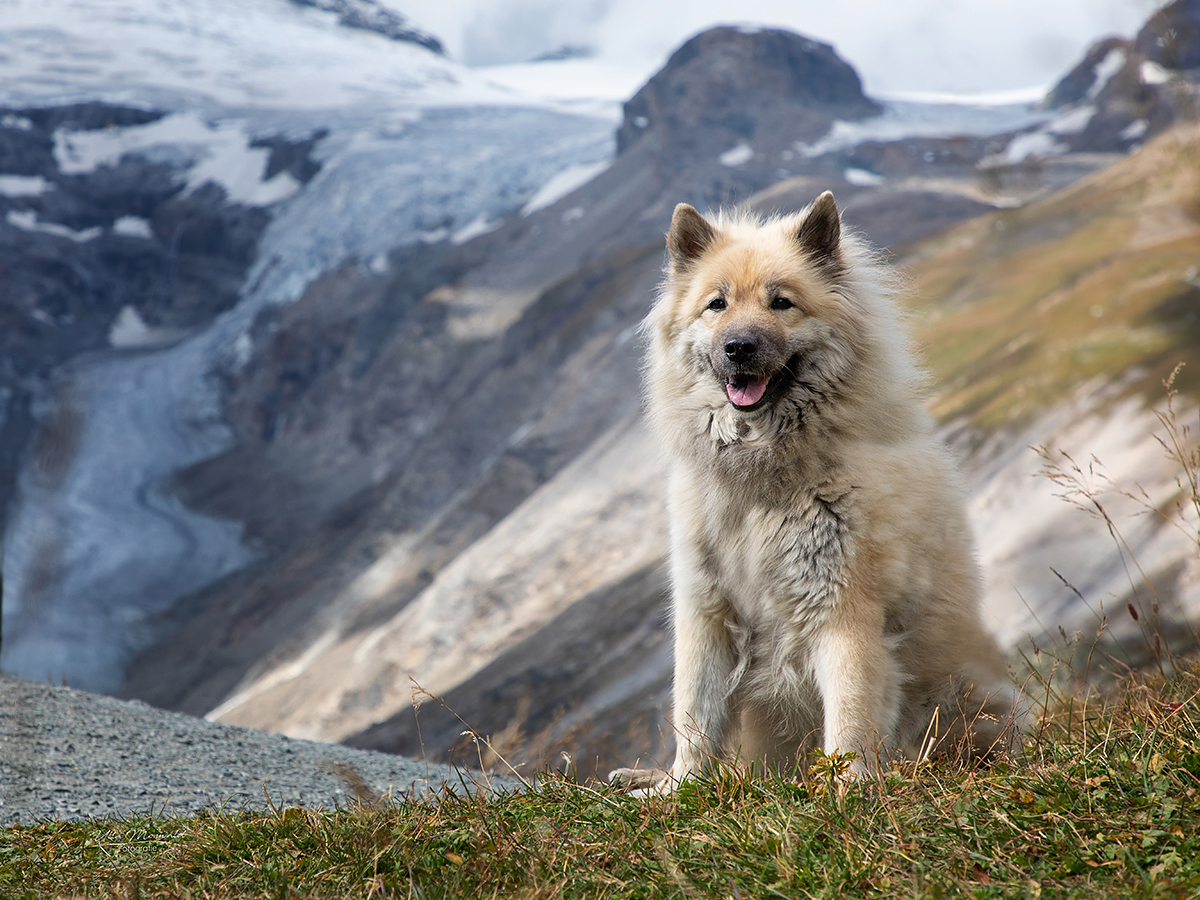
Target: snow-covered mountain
320	359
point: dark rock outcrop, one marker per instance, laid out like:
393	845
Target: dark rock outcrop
1078	84
1134	89
768	88
1172	36
371	16
292	155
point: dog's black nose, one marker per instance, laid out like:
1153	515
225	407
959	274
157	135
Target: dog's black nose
741	349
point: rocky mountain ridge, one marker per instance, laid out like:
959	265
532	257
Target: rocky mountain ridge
371	16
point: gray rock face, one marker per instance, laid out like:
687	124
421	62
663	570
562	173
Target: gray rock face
67	754
1125	92
1081	82
1172	36
371	16
728	85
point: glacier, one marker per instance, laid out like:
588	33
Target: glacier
413	143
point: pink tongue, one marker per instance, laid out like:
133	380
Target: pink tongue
748	394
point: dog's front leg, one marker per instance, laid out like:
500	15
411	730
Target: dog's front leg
705	660
859	684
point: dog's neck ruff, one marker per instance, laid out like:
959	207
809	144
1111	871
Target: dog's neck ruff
747	444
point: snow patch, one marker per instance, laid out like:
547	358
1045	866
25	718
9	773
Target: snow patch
1034	145
1029	96
243	351
1152	73
24	185
1042	143
130	331
562	184
133	226
1134	130
20	123
862	177
477	226
1104	70
737	156
28	221
1072	122
219	152
909	118
264	193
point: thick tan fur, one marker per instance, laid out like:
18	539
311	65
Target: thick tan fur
825	588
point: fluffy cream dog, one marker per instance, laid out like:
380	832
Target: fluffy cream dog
825	588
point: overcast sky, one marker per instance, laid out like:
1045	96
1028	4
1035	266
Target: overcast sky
896	45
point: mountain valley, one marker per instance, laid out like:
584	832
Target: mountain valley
294	449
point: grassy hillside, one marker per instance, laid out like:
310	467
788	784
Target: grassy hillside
1106	803
1102	280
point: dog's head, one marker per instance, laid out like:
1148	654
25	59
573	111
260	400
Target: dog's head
768	332
754	306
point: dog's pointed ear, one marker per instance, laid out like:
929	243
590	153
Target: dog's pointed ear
820	233
691	234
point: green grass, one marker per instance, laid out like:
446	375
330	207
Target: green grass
1104	803
1017	309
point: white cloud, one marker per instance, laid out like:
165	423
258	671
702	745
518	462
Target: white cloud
921	45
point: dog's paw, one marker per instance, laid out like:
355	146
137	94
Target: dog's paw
639	782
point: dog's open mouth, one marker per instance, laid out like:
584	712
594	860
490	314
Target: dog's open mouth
745	391
748	391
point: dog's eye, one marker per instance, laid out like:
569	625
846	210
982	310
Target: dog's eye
781	303
716	304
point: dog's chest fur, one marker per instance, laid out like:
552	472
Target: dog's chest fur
777	591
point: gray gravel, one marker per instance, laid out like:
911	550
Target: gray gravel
68	754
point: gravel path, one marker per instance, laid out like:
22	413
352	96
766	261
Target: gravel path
68	754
